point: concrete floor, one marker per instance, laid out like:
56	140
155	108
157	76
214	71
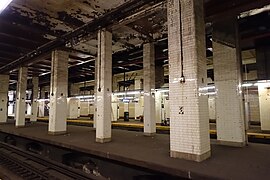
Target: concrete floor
251	162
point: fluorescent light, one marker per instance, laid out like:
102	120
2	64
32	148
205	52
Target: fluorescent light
84	97
255	11
4	4
163	90
247	85
210	49
128	92
206	88
42	100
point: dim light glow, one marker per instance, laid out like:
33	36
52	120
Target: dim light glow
4	4
247	85
42	100
128	92
84	97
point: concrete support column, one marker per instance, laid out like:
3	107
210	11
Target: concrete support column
114	84
149	89
159	75
263	72
59	91
74	90
34	107
4	84
95	94
21	96
104	87
73	108
262	61
114	108
41	104
158	101
139	104
264	99
230	121
42	93
189	122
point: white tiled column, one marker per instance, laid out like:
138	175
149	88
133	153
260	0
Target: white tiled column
21	96
95	95
189	122
264	99
41	104
149	89
104	87
72	108
263	73
59	91
229	98
114	108
34	107
158	102
4	84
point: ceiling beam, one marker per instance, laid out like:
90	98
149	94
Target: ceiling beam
15	42
16	18
216	10
105	20
22	34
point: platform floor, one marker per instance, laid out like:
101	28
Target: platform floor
251	162
254	131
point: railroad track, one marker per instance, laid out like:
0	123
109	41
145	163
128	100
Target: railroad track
31	166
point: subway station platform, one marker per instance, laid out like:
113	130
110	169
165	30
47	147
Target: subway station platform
254	133
132	148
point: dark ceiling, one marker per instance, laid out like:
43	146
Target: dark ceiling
29	26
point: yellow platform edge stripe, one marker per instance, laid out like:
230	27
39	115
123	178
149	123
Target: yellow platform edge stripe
134	125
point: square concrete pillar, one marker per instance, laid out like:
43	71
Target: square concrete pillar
264	99
4	85
149	89
114	108
72	108
95	95
262	62
159	75
158	104
104	87
189	121
230	121
59	91
21	97
42	93
34	107
138	105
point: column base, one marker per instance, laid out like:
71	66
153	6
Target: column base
103	140
149	134
57	133
230	143
192	157
20	126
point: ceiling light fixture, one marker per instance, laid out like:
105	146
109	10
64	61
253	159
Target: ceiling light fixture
4	4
